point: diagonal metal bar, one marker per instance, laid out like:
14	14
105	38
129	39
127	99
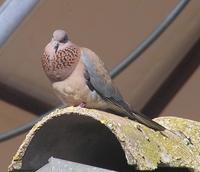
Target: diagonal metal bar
12	13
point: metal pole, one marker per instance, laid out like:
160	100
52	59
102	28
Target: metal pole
12	13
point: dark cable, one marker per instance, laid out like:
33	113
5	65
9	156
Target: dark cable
23	128
116	70
19	130
149	40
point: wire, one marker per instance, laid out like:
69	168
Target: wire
116	70
19	130
23	128
149	40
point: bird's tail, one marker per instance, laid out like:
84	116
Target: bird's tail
124	109
146	121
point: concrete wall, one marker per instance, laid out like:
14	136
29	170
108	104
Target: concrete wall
112	29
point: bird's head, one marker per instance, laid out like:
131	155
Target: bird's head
60	57
59	39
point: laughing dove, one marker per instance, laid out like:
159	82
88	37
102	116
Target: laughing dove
79	77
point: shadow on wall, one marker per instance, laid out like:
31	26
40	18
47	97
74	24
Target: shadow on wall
174	83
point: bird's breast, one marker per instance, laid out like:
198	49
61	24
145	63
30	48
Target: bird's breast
74	90
59	65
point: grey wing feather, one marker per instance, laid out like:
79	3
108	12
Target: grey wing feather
102	86
111	94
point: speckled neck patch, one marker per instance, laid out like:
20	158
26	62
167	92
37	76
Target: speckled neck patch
62	64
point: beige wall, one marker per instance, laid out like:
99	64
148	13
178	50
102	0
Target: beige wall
112	29
186	103
11	117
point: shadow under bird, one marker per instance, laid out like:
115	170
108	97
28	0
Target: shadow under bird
80	78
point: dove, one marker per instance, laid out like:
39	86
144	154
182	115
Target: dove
80	78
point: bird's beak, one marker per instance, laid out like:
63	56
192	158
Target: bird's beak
56	47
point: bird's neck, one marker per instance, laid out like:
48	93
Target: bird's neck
60	66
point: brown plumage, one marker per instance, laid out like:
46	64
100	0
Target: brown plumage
80	77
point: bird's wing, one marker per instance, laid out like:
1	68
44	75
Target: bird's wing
99	80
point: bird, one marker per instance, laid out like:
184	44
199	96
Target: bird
80	78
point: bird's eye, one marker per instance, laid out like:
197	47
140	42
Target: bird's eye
64	40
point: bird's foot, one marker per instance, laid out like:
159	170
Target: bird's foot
82	105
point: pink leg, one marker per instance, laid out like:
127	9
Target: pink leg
82	105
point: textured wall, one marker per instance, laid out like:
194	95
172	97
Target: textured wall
112	29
